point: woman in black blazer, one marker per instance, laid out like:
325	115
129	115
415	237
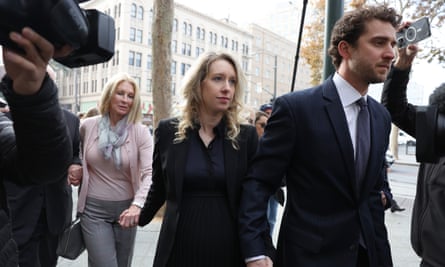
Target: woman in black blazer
199	162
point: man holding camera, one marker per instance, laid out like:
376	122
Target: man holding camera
36	148
428	218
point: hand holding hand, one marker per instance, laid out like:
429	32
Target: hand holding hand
28	70
74	174
130	217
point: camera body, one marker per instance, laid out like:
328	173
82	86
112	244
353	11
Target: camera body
430	134
89	32
416	32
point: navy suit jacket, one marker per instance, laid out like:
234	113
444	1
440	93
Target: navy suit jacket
307	140
27	201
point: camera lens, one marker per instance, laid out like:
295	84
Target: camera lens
401	41
410	34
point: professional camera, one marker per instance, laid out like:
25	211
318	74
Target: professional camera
430	134
89	32
416	32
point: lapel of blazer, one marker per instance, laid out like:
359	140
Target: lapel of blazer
230	168
179	157
336	114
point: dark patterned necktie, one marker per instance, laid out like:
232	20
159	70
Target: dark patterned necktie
362	142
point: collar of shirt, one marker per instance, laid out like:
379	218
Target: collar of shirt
348	96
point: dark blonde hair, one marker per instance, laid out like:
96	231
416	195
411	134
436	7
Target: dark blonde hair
193	96
135	114
352	25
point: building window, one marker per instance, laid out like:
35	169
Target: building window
133	10
139	36
173	88
131	58
175	25
138	80
140	14
149	89
182	69
198	33
132	34
138	59
149	40
150	16
184	28
174	46
184	48
173	68
189	31
203	34
149	62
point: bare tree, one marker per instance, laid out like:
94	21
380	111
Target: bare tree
161	74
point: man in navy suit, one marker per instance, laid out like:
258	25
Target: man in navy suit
332	217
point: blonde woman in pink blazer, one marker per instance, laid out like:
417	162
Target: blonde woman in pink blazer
117	158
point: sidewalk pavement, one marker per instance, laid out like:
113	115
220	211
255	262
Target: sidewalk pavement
398	225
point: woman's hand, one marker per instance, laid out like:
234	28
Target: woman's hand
130	217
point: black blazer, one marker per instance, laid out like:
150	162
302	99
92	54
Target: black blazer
27	201
168	172
307	139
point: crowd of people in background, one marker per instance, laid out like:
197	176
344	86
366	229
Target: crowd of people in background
319	153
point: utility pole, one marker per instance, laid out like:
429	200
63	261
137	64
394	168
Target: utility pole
334	11
275	79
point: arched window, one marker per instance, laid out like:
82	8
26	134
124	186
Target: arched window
133	10
140	14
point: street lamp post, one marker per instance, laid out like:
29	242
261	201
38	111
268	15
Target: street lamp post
275	79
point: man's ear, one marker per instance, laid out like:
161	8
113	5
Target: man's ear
344	49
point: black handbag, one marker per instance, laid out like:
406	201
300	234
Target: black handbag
71	243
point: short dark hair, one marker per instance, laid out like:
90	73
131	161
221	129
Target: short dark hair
437	98
352	25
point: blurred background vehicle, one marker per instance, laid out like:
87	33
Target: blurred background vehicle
405	139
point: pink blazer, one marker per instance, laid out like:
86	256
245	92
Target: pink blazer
139	148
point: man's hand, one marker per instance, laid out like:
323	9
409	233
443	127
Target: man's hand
407	54
267	262
384	200
130	217
75	174
28	70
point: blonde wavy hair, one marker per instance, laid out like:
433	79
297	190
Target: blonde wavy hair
191	89
135	114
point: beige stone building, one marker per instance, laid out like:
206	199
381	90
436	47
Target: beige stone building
266	57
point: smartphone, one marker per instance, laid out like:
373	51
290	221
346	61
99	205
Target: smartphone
416	32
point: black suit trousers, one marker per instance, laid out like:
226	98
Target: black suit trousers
42	245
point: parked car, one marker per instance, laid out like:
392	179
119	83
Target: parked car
389	158
405	139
